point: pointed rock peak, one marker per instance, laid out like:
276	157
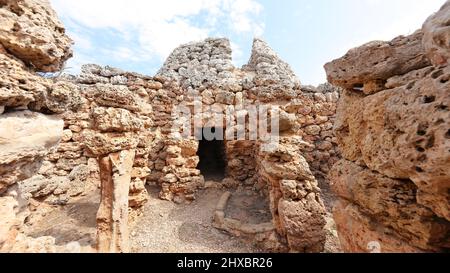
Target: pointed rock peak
269	67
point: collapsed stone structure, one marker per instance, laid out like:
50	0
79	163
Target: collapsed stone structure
62	136
29	42
114	130
392	127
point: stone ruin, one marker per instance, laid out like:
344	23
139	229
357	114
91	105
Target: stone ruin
63	135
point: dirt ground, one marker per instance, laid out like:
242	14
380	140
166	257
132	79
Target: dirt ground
166	227
170	228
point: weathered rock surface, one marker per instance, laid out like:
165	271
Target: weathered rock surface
273	78
31	31
393	203
361	234
394	183
437	36
201	64
408	144
116	120
9	222
25	138
31	39
377	61
112	217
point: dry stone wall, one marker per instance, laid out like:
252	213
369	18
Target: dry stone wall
63	136
124	111
392	127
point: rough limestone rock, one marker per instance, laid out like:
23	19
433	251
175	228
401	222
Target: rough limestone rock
25	138
63	96
105	143
394	182
31	39
393	203
408	145
201	64
20	87
436	40
272	77
9	222
112	217
138	193
361	234
31	31
295	198
116	120
116	96
375	62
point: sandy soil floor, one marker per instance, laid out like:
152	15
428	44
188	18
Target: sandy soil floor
166	227
171	228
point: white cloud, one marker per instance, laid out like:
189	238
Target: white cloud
158	26
162	37
238	54
413	14
240	12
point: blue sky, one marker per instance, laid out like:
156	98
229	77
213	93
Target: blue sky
138	35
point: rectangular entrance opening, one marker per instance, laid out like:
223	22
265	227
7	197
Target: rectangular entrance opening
212	156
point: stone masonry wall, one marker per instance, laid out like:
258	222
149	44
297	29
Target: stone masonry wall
107	122
64	136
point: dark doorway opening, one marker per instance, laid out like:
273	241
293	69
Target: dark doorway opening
212	158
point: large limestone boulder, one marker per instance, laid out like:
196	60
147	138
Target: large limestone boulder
392	202
436	40
368	66
21	87
25	138
9	222
392	126
18	85
389	133
31	31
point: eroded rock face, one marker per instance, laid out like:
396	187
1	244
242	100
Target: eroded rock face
201	64
20	87
112	217
31	31
394	135
409	144
437	36
10	223
117	128
391	203
272	77
31	39
373	63
26	137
